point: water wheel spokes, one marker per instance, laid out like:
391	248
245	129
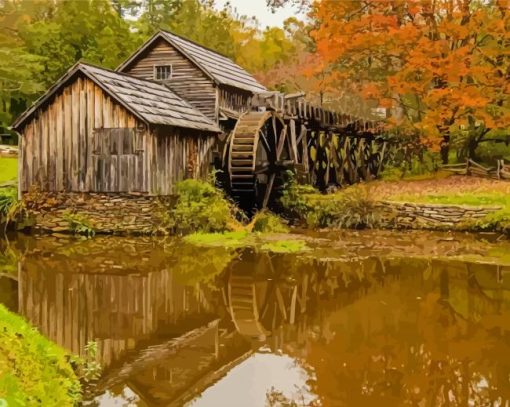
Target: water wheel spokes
258	156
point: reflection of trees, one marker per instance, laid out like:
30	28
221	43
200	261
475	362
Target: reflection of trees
374	331
364	328
390	348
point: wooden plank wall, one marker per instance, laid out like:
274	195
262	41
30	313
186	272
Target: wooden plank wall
234	99
188	81
176	154
58	148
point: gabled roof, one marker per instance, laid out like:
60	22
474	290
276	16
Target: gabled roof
151	102
221	69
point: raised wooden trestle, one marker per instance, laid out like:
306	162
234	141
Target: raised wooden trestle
287	133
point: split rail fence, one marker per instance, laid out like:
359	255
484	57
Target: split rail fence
470	167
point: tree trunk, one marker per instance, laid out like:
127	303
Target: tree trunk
472	145
445	148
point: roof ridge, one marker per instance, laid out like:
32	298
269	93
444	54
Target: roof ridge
197	44
219	68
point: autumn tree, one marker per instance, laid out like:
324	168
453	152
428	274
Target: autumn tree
442	66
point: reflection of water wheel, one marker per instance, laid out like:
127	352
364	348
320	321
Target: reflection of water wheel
258	154
256	298
245	298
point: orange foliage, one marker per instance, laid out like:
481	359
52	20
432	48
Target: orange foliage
445	63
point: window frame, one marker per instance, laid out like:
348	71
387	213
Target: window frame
170	73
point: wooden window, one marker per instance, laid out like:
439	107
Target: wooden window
162	72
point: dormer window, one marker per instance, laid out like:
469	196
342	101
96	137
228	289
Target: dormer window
162	72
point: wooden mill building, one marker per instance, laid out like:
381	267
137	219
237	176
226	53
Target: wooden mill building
176	110
141	129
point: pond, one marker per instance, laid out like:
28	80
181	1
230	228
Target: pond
363	318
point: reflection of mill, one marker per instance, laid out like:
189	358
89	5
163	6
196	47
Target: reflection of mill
168	338
260	299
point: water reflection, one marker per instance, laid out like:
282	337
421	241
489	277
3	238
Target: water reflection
178	325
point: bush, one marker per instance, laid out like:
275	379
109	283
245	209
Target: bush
79	224
357	209
352	207
33	370
295	198
267	222
11	209
201	207
428	163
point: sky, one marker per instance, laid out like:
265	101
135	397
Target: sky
259	9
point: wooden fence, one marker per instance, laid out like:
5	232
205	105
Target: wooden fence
470	167
8	150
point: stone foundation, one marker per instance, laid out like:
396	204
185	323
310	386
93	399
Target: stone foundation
105	213
432	216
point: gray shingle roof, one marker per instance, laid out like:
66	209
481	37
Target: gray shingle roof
150	101
219	68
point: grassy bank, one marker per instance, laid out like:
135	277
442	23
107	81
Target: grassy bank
357	206
33	370
465	191
8	169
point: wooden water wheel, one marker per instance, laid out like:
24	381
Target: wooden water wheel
257	156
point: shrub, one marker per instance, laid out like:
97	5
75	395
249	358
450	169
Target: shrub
33	370
8	198
424	164
267	222
10	207
79	224
498	221
201	207
295	198
352	207
357	209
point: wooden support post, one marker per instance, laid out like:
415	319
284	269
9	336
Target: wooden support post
293	141
304	145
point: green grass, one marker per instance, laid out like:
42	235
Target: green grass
8	169
226	239
33	370
492	198
264	241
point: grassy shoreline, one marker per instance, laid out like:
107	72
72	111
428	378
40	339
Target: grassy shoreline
33	370
358	206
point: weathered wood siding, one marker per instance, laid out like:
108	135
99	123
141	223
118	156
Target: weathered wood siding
62	148
188	81
84	141
176	154
234	99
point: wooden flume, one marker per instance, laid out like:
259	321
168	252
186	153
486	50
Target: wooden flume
281	134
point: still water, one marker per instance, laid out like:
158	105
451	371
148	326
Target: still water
361	319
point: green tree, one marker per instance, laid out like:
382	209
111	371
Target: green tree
18	84
71	30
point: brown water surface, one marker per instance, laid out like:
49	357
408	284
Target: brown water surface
363	319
